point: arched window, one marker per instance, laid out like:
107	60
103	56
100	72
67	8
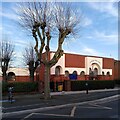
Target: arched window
73	76
90	70
11	76
108	73
57	70
103	73
82	73
75	72
66	73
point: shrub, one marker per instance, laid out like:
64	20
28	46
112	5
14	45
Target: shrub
117	81
92	84
21	86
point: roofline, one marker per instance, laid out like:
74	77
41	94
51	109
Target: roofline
86	55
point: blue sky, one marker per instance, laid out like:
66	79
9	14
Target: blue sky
98	35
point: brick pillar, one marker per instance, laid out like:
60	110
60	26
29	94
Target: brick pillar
40	86
55	86
67	84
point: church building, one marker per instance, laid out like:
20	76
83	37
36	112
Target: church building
81	67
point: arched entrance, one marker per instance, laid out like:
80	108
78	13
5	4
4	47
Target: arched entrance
94	71
11	76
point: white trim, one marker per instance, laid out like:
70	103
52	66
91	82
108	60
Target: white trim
61	62
107	70
79	70
90	60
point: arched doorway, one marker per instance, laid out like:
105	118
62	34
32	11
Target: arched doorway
11	76
94	71
96	68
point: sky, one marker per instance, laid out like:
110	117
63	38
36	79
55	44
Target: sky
98	34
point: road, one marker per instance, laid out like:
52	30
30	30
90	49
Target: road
92	105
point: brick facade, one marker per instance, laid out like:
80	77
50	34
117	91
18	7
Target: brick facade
74	62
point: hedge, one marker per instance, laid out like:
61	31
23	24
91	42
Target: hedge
92	84
21	86
117	81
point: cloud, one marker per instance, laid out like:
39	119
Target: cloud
89	51
18	61
1	31
107	39
10	16
85	51
20	44
86	22
105	7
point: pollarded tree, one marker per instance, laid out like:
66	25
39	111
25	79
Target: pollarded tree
30	59
6	55
43	20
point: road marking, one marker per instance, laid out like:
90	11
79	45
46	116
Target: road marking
58	115
57	106
115	116
73	111
106	99
52	114
27	116
6	101
99	106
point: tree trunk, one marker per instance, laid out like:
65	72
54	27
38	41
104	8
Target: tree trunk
47	82
32	75
4	75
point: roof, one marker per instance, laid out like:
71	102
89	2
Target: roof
19	71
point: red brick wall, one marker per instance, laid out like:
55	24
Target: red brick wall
108	63
116	69
60	78
22	79
41	70
72	60
40	73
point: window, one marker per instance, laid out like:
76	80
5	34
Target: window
66	73
75	72
57	70
103	73
108	73
73	76
82	73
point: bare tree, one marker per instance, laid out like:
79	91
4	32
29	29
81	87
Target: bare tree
42	19
30	59
6	55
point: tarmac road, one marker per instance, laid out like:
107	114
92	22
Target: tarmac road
65	105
